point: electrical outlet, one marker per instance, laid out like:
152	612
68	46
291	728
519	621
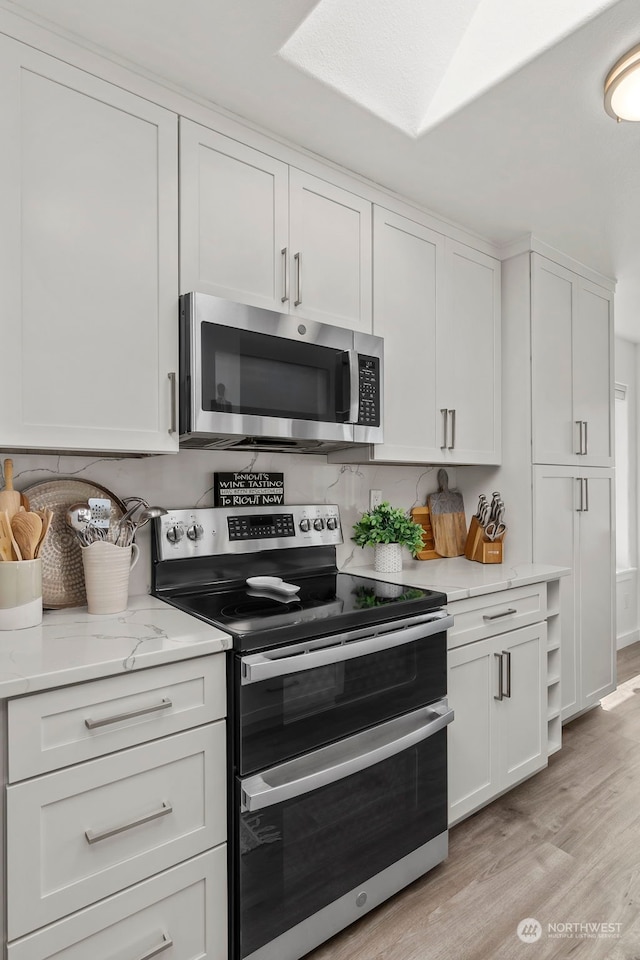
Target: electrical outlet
375	497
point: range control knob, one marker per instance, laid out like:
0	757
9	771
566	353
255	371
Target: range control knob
305	525
195	532
332	523
175	533
318	524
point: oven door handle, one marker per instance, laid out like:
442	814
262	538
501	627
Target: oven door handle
285	660
339	760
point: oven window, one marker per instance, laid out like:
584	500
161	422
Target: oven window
298	856
267	376
286	716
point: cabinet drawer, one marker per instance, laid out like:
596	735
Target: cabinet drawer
184	907
83	833
493	613
59	727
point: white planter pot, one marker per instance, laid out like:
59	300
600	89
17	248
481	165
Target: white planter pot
388	558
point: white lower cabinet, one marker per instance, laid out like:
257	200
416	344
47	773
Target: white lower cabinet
182	911
122	855
497	688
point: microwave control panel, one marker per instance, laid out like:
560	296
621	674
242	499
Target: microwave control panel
369	391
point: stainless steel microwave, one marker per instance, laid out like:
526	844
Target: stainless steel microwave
254	379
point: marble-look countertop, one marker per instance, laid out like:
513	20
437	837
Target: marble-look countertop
460	578
71	645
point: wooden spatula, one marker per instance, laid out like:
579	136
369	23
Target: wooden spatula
46	517
9	549
9	498
27	530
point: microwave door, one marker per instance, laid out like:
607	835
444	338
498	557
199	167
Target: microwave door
258	384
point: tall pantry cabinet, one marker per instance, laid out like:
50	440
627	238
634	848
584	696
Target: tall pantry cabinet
561	316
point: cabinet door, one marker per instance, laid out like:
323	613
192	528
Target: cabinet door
330	253
522	712
593	372
468	367
233	220
556	499
88	261
408	271
596	587
472	683
553	307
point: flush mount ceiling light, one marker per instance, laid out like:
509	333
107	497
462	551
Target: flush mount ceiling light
622	87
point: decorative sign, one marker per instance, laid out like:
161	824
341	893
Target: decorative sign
248	489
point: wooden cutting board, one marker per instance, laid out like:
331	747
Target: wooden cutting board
447	518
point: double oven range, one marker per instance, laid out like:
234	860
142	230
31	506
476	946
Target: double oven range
337	746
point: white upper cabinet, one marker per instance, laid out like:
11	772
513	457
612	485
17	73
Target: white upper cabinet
437	305
256	231
469	376
88	261
572	367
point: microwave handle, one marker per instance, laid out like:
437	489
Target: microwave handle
265	666
343	759
354	386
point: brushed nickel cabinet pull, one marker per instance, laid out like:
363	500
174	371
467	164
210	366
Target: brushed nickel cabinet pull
174	418
500	696
445	427
586	438
586	494
285	279
579	451
166	943
453	429
117	717
298	258
507	654
580	509
113	831
497	616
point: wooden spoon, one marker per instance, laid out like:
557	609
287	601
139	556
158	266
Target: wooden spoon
47	517
27	530
9	549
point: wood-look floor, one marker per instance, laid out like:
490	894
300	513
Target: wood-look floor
563	847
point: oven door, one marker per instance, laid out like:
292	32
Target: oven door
320	840
290	700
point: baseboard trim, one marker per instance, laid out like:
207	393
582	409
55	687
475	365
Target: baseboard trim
626	639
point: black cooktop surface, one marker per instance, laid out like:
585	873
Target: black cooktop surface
325	603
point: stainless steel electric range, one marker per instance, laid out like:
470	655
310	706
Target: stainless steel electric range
337	719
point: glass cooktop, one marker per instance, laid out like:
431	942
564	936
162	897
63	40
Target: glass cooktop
325	603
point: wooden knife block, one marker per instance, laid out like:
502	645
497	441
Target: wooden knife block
479	548
422	515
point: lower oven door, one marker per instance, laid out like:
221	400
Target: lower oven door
291	700
320	840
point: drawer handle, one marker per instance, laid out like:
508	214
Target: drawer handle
112	831
498	616
92	724
166	943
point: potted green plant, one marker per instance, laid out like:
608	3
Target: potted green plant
388	529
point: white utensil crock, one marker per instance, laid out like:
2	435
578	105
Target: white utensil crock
106	575
20	594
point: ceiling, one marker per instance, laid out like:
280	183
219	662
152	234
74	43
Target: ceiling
503	131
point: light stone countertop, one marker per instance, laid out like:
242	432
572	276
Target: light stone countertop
460	578
71	645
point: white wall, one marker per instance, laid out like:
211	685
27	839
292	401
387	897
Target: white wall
186	480
627	359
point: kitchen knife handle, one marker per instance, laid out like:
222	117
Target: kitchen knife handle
445	427
285	279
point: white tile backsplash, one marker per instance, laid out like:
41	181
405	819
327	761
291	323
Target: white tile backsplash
186	480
